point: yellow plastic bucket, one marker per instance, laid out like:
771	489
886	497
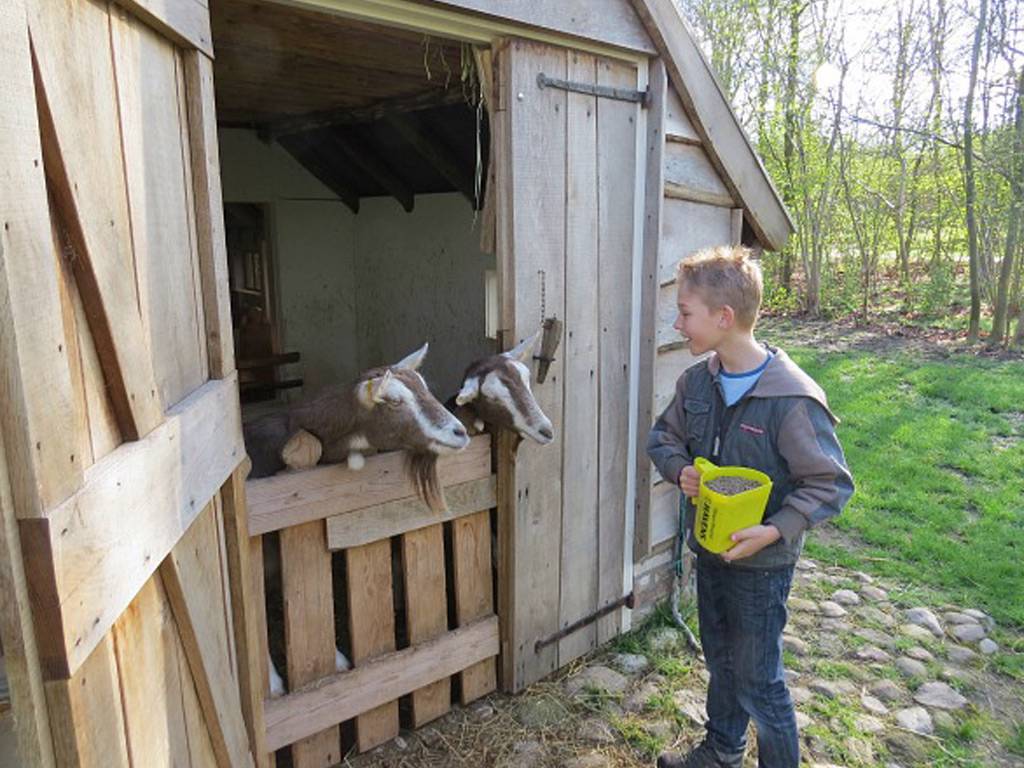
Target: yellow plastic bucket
720	515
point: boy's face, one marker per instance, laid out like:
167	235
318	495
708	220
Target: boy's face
702	325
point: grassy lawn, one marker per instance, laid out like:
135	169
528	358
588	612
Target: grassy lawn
937	451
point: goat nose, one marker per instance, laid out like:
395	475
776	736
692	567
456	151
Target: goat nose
547	433
459	430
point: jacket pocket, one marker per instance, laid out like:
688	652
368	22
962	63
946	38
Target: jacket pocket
698	413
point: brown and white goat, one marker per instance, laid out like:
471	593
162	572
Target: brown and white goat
496	391
387	408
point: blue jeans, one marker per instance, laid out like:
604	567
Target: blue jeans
742	613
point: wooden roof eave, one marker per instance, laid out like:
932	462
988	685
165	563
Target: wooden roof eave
724	140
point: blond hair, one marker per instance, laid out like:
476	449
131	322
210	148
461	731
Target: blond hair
725	275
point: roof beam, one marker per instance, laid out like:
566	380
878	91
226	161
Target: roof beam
366	114
320	165
434	152
368	161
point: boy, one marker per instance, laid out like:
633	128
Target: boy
748	405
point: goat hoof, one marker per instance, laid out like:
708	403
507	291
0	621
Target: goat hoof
356	461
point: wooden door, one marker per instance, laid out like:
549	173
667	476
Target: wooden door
121	440
566	176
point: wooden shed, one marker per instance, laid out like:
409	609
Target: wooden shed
175	171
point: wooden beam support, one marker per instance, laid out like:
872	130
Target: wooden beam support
357	153
95	551
434	152
290	499
305	152
290	126
342	696
186	22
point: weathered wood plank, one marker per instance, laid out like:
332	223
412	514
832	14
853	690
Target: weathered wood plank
200	747
209	212
185	22
293	498
538	155
150	102
688	227
146	646
664	512
473	579
37	399
247	606
654	205
393	518
18	638
89	564
579	524
191	575
309	629
85	170
426	611
371	618
716	124
80	739
690	175
668	367
617	172
377	682
678	126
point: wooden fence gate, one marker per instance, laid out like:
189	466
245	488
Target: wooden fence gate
355	517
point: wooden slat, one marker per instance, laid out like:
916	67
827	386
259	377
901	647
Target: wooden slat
426	611
289	499
152	117
147	649
668	367
579	524
192	577
262	642
80	738
247	606
309	629
371	620
85	171
678	126
377	682
736	226
690	175
18	638
88	564
664	512
474	600
394	518
688	227
716	123
654	206
616	163
200	747
37	400
537	143
186	22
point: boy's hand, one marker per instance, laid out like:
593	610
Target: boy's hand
689	480
750	541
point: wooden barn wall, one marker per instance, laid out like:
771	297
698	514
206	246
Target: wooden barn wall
119	409
688	208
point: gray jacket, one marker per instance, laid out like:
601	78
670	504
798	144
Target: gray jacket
781	426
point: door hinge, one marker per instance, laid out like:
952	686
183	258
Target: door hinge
603	91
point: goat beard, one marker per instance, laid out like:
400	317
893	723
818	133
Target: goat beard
422	471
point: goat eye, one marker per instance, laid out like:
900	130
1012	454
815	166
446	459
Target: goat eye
393	401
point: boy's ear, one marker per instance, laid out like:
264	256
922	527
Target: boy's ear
728	318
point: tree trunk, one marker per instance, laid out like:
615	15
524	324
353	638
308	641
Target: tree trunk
969	189
999	322
790	128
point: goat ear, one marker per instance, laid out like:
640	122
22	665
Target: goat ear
375	388
413	361
470	391
523	352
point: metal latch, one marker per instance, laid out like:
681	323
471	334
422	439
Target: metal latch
626	601
604	91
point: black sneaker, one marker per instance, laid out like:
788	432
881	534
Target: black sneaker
701	756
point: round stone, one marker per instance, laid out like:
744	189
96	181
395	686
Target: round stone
864	578
876	616
873	705
803	720
831	689
597	677
968	633
835	625
666	641
960	655
692	707
799	694
939	695
794	645
956	617
630	663
861	750
806	565
923	617
873	593
911	667
846	597
540	712
873	653
919	653
980	616
593	760
803	605
873	636
596	731
955	675
943	720
868	724
915	632
637	700
988	647
661	729
915	719
832	610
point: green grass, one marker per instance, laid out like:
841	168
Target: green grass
937	452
